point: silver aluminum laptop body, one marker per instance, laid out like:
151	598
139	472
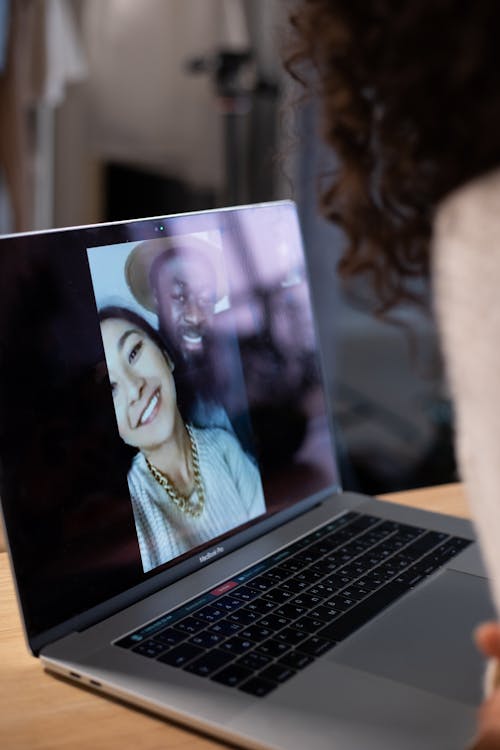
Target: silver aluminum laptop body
408	678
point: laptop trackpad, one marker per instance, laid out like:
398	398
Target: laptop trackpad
426	639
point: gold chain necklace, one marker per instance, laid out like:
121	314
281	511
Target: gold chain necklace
179	500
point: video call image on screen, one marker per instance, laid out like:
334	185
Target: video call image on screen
211	357
178	391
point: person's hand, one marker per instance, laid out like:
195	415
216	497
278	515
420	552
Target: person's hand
487	638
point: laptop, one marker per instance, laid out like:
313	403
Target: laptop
172	503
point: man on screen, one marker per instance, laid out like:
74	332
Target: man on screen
179	280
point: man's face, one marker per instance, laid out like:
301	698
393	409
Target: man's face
185	295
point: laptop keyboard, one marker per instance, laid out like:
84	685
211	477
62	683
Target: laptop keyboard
259	628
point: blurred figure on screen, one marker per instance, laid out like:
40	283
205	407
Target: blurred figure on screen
184	286
179	281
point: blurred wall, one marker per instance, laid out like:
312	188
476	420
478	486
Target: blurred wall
195	136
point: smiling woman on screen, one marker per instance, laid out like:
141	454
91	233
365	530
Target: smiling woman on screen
187	485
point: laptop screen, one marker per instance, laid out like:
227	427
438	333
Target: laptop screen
161	400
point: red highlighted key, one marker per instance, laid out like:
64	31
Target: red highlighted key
224	588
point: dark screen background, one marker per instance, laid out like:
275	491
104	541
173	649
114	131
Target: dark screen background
63	467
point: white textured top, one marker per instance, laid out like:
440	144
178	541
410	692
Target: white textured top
466	258
233	496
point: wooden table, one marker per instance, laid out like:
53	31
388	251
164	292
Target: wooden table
39	711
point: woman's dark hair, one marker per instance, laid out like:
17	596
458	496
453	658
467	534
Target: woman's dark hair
113	312
410	97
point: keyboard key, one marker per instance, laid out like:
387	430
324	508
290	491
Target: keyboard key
409	532
273	648
180	655
352	593
388	570
277	574
190	625
256	633
294	586
345	555
209	663
368	583
229	603
232	675
450	548
340	603
262	583
237	645
254	661
377	535
315	645
258	687
322	568
150	649
348	575
303	543
307	600
306	556
243	617
325	590
274	622
309	575
325	613
410	577
290	611
224	627
171	636
291	636
296	660
245	593
309	624
361	544
402	560
358	592
205	639
277	596
390	526
260	606
435	559
322	548
394	543
345	577
129	641
290	566
277	673
362	523
425	543
210	613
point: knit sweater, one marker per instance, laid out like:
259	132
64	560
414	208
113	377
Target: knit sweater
466	259
233	496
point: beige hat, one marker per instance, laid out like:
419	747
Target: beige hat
139	262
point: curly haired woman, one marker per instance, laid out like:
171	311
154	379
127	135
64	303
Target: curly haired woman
410	97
